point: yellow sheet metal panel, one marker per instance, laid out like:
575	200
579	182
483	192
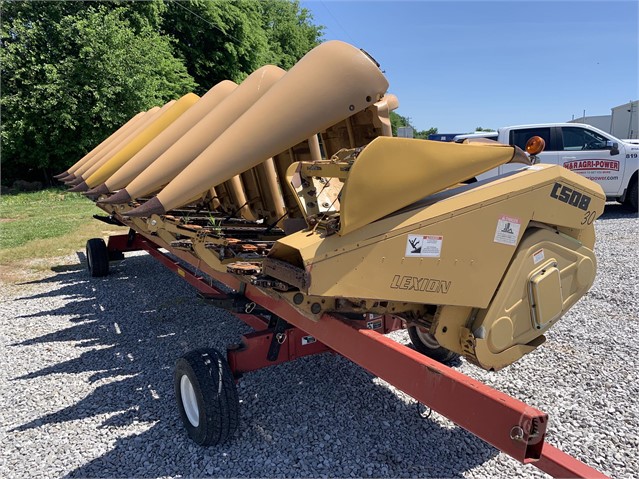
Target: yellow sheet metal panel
151	131
382	109
545	287
192	143
547	275
329	84
131	133
107	141
173	133
391	173
378	260
115	140
268	197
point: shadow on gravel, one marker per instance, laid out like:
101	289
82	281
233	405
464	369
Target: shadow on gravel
318	416
69	267
615	211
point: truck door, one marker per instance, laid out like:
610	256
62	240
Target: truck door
588	153
519	137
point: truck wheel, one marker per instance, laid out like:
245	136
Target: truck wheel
425	343
632	196
206	396
97	257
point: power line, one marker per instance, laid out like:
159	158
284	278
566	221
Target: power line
206	21
352	40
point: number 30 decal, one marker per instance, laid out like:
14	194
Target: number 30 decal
589	217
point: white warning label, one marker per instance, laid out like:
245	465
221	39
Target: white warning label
507	230
538	256
424	246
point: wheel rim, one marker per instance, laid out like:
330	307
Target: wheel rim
189	401
426	338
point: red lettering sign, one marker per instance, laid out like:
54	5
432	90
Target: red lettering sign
592	165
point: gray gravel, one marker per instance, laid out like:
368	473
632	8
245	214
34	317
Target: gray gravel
86	375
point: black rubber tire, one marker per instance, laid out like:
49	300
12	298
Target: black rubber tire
632	196
214	395
438	353
97	257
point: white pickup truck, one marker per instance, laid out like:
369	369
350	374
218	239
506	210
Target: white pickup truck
581	148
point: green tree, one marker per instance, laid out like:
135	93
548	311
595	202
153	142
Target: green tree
423	134
398	120
139	14
216	40
222	40
74	72
479	128
289	31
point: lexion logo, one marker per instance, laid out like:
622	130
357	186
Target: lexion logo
416	283
589	165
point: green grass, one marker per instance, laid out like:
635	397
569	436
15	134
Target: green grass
45	224
45	214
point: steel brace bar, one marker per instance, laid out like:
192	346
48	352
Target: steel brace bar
137	242
559	464
507	423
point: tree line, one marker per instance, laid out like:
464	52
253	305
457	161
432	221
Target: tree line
73	72
398	120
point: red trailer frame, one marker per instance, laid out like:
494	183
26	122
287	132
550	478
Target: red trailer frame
283	334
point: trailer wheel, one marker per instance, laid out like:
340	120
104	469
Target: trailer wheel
206	396
97	257
425	343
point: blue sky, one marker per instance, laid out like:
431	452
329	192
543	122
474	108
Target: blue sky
458	65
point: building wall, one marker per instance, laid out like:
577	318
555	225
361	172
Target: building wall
624	120
601	121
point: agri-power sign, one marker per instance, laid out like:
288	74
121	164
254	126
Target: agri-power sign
592	165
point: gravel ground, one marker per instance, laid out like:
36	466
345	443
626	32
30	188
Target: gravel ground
87	388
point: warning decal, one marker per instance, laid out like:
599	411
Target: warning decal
507	230
426	246
538	256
